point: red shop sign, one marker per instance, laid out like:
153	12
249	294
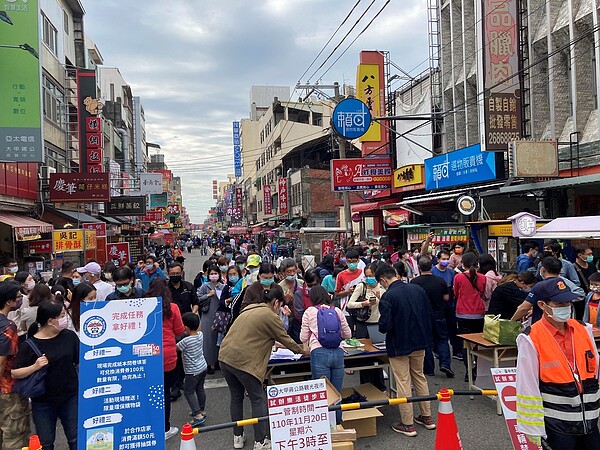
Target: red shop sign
361	174
78	187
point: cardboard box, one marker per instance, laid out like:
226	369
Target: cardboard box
342	435
364	421
333	398
342	446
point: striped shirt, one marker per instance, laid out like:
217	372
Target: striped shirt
192	353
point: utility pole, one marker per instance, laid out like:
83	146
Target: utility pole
342	146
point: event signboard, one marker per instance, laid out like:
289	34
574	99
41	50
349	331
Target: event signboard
121	398
79	187
360	174
20	81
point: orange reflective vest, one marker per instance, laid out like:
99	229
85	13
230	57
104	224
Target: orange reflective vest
570	394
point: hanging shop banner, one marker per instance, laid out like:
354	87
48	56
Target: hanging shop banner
90	239
118	253
505	379
98	227
121	398
360	174
464	166
154	216
327	247
174	210
215	191
159	200
88	110
283	195
67	241
151	183
267	200
20	80
237	150
410	175
101	250
126	206
393	218
79	187
298	415
501	69
136	246
41	246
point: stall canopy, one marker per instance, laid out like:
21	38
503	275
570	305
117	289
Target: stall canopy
237	230
370	206
24	226
585	227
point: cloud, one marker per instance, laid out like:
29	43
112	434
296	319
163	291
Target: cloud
193	63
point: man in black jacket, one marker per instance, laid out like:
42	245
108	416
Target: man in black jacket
405	314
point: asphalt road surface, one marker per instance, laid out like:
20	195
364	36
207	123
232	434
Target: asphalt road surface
479	425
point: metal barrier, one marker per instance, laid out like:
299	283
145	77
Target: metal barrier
351	407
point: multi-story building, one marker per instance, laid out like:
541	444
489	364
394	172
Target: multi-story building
139	137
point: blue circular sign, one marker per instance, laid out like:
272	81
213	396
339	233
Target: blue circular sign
351	118
94	327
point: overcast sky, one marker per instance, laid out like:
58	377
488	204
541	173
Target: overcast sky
193	62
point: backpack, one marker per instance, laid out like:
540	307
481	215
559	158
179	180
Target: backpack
329	326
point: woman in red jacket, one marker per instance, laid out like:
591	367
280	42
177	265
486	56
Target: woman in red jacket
172	327
469	290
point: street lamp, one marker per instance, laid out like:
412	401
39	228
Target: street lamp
26	47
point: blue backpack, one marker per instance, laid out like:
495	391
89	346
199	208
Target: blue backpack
329	326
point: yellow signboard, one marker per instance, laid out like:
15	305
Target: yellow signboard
368	91
90	239
408	175
505	229
67	241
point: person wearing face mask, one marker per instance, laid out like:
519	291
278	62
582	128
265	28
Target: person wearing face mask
584	265
67	273
91	273
511	291
456	258
252	267
244	357
11	267
147	270
209	297
266	279
590	315
83	292
123	279
14	410
223	264
301	302
567	269
526	260
60	353
550	268
558	400
346	282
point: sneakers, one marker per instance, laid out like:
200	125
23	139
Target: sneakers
406	430
197	421
239	441
426	421
458	357
172	432
265	445
448	371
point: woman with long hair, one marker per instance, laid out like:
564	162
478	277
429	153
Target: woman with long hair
510	293
83	292
469	289
209	297
172	327
27	284
60	353
39	294
487	267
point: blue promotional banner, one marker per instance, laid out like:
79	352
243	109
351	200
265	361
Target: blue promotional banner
237	150
464	166
121	398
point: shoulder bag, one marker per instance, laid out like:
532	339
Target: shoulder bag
361	314
35	384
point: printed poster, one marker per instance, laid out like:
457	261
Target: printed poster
121	399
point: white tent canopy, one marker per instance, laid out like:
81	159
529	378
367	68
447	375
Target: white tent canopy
585	227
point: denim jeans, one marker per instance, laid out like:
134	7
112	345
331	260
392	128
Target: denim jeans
45	415
329	362
194	392
238	382
440	346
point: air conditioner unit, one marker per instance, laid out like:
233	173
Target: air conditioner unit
45	172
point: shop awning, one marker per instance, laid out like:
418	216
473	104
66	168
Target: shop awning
370	206
585	227
445	195
74	215
25	226
558	183
110	220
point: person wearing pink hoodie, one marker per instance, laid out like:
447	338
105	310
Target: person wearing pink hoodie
487	267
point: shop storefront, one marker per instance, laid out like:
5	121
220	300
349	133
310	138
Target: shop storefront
20	235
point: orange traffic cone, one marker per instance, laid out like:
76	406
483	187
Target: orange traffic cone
187	438
447	437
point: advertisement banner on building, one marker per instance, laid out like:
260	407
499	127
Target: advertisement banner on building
370	88
237	150
283	195
101	250
126	206
90	239
88	108
118	253
393	218
151	183
215	190
20	80
502	104
174	209
79	187
154	216
67	241
98	227
158	200
19	180
360	174
464	166
267	200
409	175
40	247
121	378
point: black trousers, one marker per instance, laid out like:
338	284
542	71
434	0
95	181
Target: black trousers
558	441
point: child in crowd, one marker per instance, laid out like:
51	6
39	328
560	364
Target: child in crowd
591	300
194	366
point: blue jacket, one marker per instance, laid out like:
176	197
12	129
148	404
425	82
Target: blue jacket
524	263
405	314
146	277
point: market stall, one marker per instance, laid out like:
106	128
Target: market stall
585	227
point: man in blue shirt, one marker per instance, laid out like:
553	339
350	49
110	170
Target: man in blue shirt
526	259
148	270
442	270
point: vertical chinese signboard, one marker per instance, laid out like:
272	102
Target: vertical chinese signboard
215	191
20	99
501	79
118	253
283	195
298	415
327	247
121	396
237	150
91	242
267	200
90	127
